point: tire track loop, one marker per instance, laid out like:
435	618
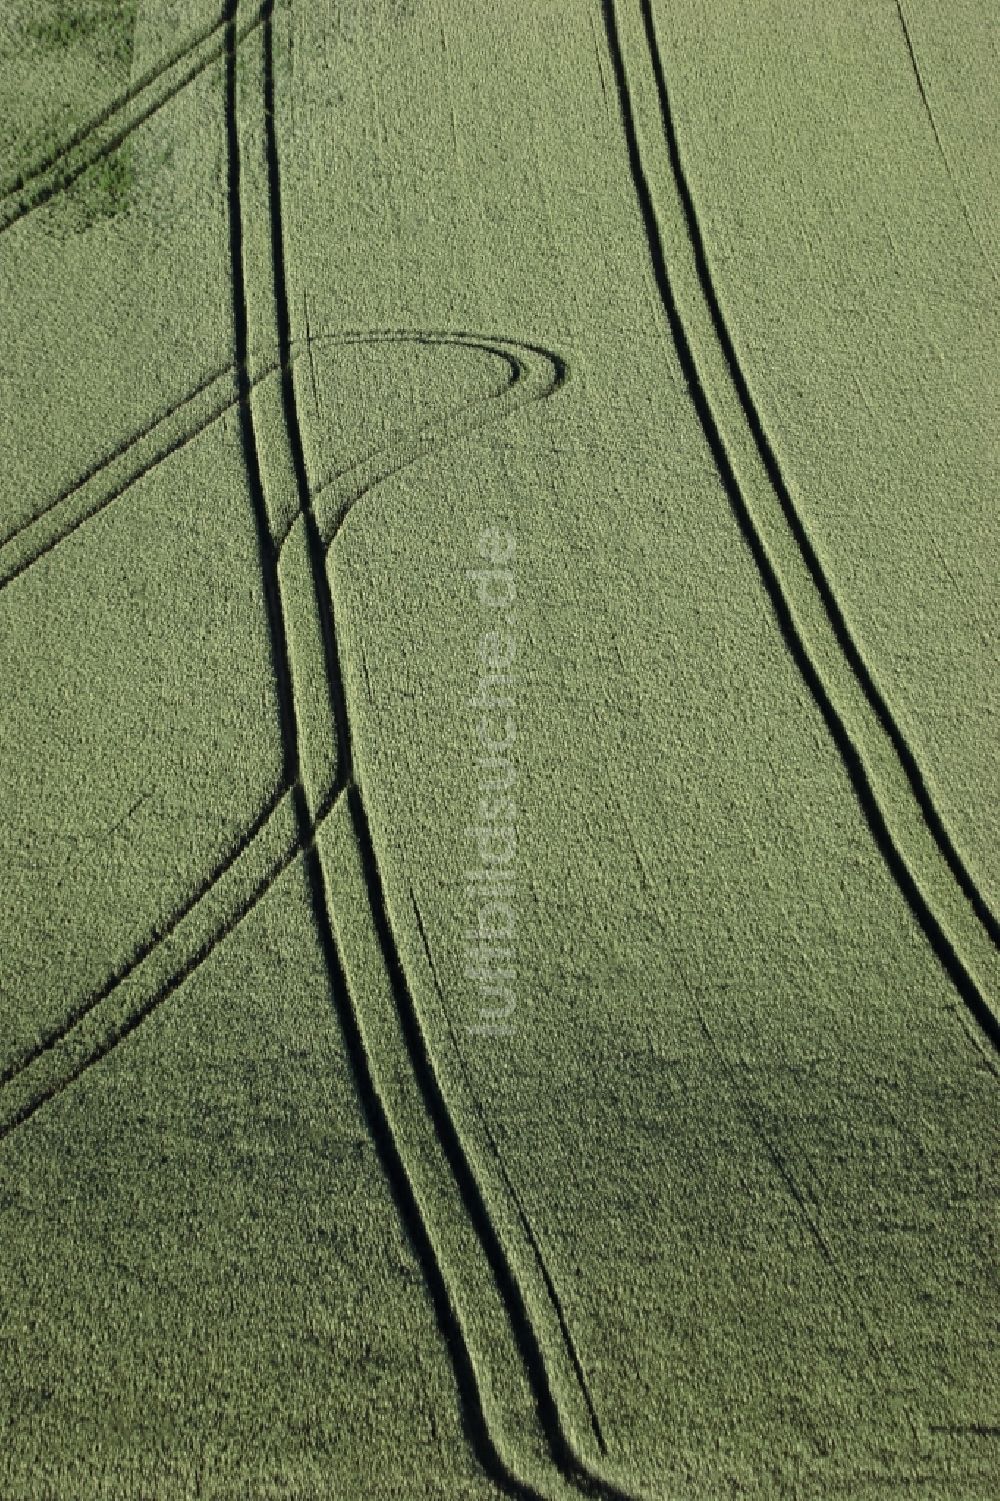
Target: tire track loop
937	937
431	436
534	373
841	629
58	173
164	931
346	785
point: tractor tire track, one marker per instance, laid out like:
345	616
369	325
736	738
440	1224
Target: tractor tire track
290	789
59	173
120	450
838	621
113	107
510	1188
67	1055
161	933
940	941
267	551
419	1054
376	1118
406	1200
949	173
317	563
25	559
376	1115
25	555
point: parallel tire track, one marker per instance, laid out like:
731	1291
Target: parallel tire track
112	455
375	1115
842	631
334	677
114	106
82	1053
407	1206
164	930
68	162
27	554
267	551
937	937
420	1059
377	1119
570	1464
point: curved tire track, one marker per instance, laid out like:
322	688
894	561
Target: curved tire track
534	374
842	631
570	1465
940	941
524	365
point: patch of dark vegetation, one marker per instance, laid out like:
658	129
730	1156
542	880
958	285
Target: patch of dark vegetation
105	25
86	37
102	192
104	189
352	24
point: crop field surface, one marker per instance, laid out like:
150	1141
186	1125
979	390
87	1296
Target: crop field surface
499	807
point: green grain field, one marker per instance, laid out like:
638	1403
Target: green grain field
499	792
